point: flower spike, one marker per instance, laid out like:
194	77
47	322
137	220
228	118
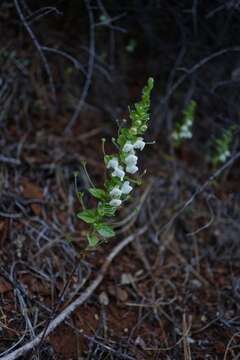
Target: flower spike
118	184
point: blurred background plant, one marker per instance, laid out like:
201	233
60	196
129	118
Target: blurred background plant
183	128
222	147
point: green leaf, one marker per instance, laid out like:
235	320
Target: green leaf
89	216
104	230
98	193
92	240
106	210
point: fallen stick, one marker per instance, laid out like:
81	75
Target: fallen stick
79	301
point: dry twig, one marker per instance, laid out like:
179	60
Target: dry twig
79	301
38	47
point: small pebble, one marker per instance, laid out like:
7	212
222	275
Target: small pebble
103	298
126	279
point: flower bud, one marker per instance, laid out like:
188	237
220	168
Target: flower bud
144	128
133	131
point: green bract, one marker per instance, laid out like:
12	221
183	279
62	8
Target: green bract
98	193
121	167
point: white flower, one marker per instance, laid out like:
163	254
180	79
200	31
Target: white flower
184	128
128	147
223	157
188	122
139	144
126	187
131	169
186	134
113	163
115	192
115	202
131	160
118	172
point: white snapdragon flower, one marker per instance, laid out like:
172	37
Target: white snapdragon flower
126	188
119	172
131	160
115	202
223	157
131	169
184	128
139	144
186	134
115	192
128	147
188	122
113	163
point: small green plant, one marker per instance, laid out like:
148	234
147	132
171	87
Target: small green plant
183	128
222	147
120	167
131	46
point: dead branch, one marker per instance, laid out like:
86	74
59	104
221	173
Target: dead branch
90	69
37	45
79	301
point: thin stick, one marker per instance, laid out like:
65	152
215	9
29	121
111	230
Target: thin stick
58	302
201	189
79	301
38	47
90	69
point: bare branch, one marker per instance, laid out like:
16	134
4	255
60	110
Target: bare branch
79	301
38	47
90	70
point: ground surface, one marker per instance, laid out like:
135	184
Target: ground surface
174	291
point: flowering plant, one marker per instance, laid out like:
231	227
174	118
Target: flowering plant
183	129
120	167
222	146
